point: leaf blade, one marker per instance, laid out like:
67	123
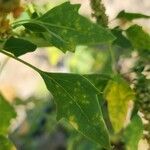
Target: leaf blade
121	40
18	46
118	94
7	112
78	105
133	133
139	39
130	16
5	144
74	30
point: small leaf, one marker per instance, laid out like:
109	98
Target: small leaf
118	93
5	144
133	133
139	39
76	100
18	46
130	16
121	40
64	28
7	112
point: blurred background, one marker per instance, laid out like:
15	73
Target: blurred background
35	126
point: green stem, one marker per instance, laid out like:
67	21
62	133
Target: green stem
20	60
113	61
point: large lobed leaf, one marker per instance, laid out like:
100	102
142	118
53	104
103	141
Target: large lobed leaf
64	28
118	94
77	102
7	112
139	39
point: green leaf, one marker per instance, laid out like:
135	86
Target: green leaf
18	46
64	28
133	133
130	16
37	39
138	37
77	102
121	40
5	144
118	93
7	112
100	81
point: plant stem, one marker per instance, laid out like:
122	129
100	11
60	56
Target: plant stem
20	60
113	61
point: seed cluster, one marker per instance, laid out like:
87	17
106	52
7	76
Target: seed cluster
142	87
99	12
